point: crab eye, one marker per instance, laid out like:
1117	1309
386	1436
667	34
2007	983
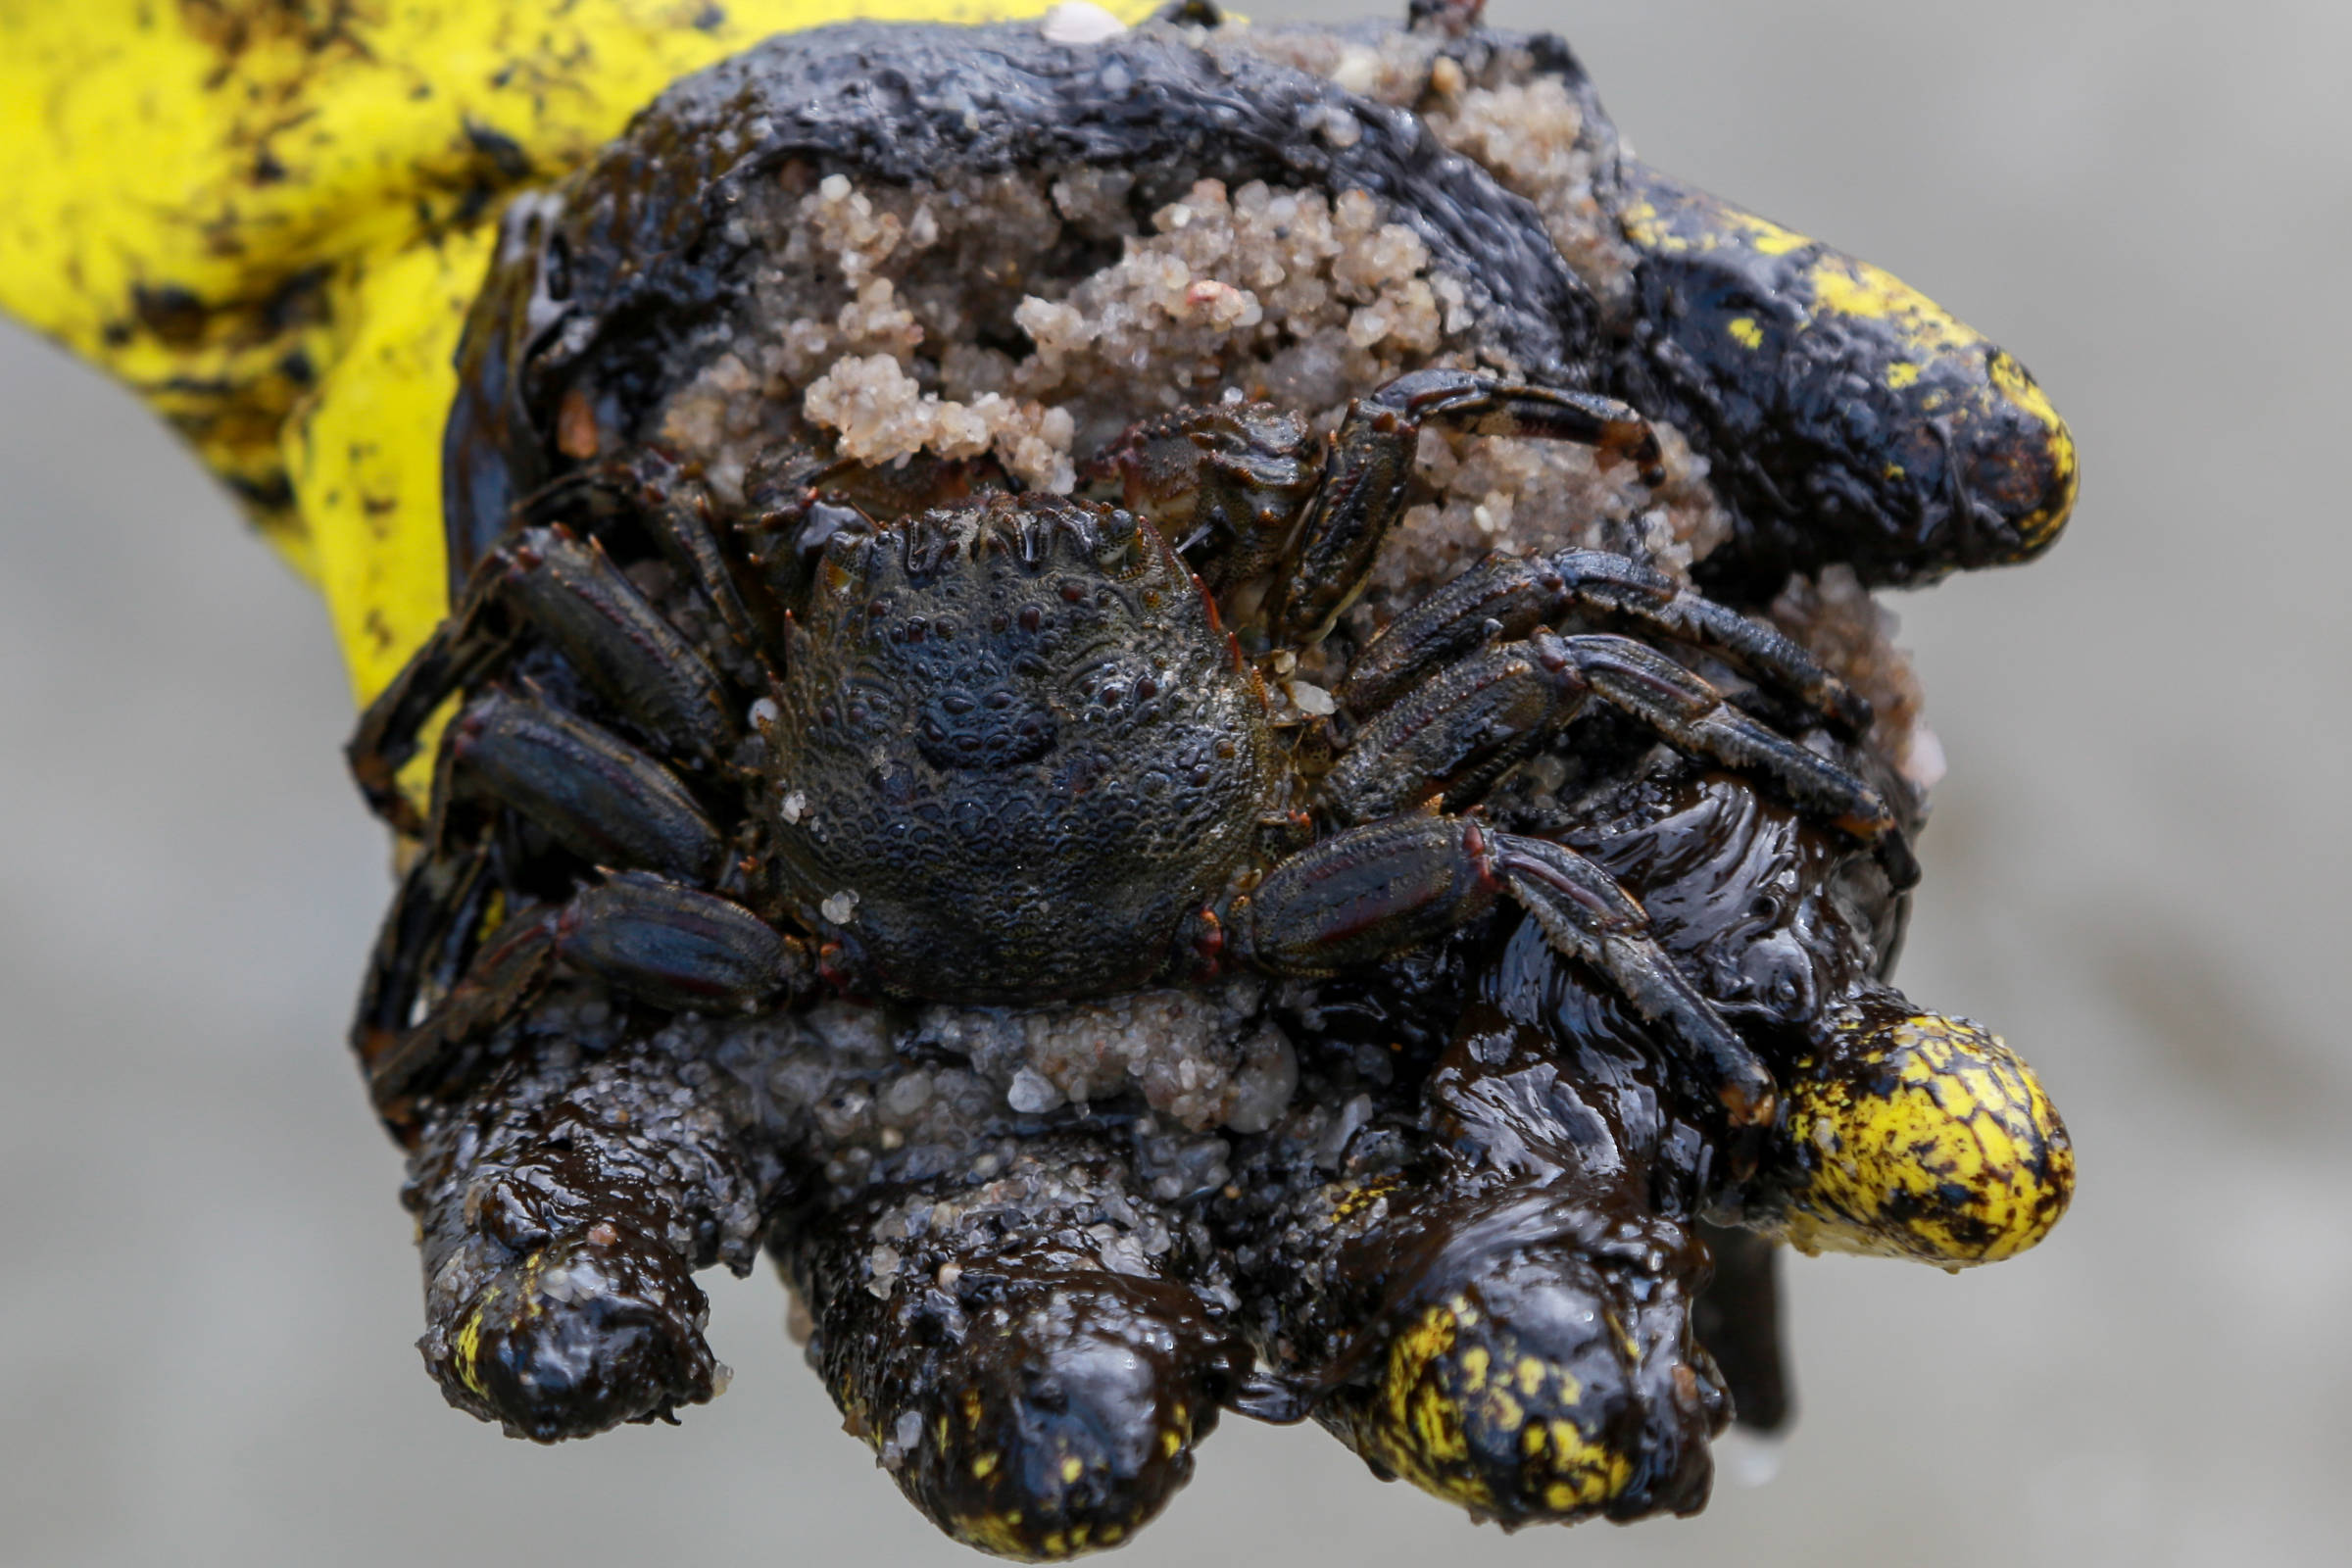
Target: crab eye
1778	977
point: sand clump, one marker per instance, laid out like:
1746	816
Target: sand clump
1033	318
932	320
1524	128
866	1095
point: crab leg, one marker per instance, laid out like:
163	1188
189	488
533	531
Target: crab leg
568	591
1509	596
1463	729
1371	463
1454	738
420	950
674	509
402	1060
595	794
1585	914
624	648
1387	887
674	946
1695	719
1227	481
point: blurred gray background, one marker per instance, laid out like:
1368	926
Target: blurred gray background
2137	872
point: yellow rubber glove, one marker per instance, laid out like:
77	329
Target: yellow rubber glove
268	216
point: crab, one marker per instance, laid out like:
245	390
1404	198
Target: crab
1005	749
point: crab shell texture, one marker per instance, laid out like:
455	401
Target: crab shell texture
1355	1237
1089	758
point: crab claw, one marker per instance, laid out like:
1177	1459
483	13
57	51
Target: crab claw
579	1336
1907	1134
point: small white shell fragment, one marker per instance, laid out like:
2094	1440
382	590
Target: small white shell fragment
795	806
883	1262
840	908
1310	699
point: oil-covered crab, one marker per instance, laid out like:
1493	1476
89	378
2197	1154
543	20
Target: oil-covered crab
1137	916
1004	750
